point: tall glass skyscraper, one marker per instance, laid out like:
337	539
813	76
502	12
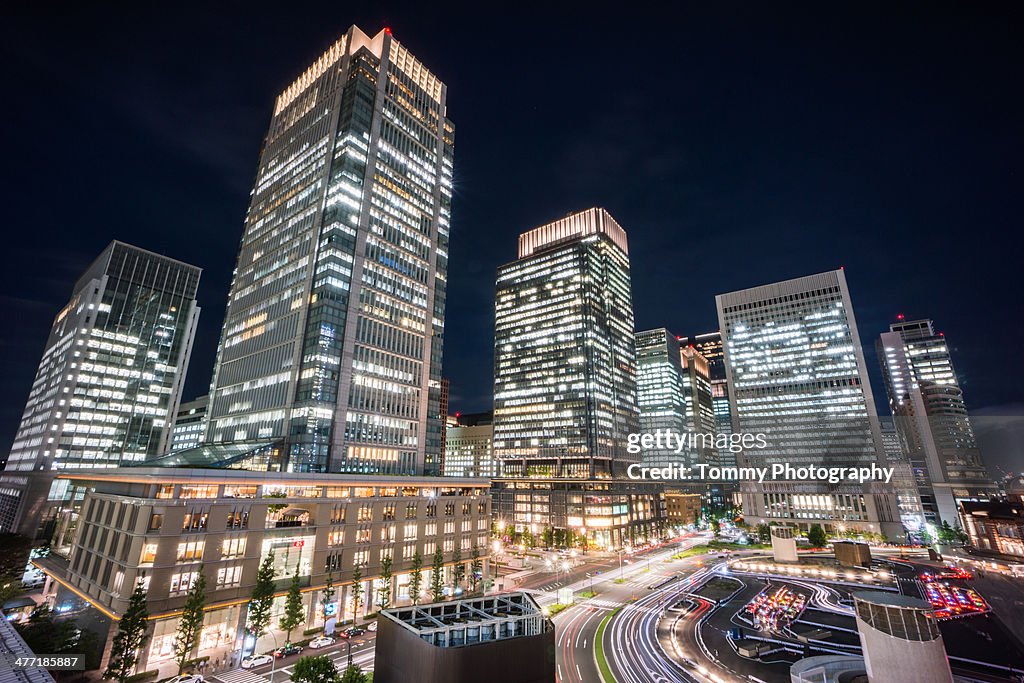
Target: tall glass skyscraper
661	394
109	382
709	345
796	373
564	359
931	418
334	327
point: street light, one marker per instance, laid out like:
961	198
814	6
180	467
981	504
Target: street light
273	655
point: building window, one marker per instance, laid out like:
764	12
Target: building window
198	491
363	535
360	558
195	520
411	510
337	514
232	547
180	583
156	520
389	513
365	514
238	518
335	537
228	577
449	509
190	551
148	554
165	491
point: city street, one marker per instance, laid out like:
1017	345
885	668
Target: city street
362	656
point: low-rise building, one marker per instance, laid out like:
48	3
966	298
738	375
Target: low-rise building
162	527
506	635
610	513
682	507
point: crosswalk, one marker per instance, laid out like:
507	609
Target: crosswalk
238	676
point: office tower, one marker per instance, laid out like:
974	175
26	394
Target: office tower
110	378
710	346
796	374
334	326
189	424
436	467
700	411
661	395
931	416
908	497
469	448
564	365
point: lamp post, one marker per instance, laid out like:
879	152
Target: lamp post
620	562
273	656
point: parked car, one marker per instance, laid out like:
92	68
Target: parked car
187	678
372	626
353	631
322	641
256	660
287	650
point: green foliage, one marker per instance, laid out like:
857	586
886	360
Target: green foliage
262	598
548	537
43	634
357	590
384	592
353	674
764	533
416	577
190	624
437	575
130	637
294	614
318	669
458	571
476	568
816	536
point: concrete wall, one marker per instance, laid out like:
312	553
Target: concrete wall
402	657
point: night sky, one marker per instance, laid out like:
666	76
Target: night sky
736	145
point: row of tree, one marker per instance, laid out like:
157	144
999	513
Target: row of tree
132	632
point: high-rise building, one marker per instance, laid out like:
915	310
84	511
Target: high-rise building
709	345
661	394
334	326
189	424
469	448
931	416
109	382
908	496
564	366
700	410
796	374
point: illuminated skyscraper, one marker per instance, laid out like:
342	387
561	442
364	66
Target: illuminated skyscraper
796	373
109	382
931	417
661	394
709	345
564	360
334	327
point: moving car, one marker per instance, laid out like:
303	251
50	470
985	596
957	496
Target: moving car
287	650
353	631
187	678
256	660
322	641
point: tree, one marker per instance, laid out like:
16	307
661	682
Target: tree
548	537
190	624
816	536
764	533
42	634
476	569
384	592
357	590
458	570
437	575
716	527
130	637
327	594
416	577
294	614
262	599
353	674
319	669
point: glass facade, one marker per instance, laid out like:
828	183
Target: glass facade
565	371
109	381
335	322
931	417
796	374
661	394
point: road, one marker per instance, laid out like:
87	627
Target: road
362	656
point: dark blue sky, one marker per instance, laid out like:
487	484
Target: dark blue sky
736	144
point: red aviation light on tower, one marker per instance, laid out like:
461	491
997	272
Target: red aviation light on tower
387	30
899	316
